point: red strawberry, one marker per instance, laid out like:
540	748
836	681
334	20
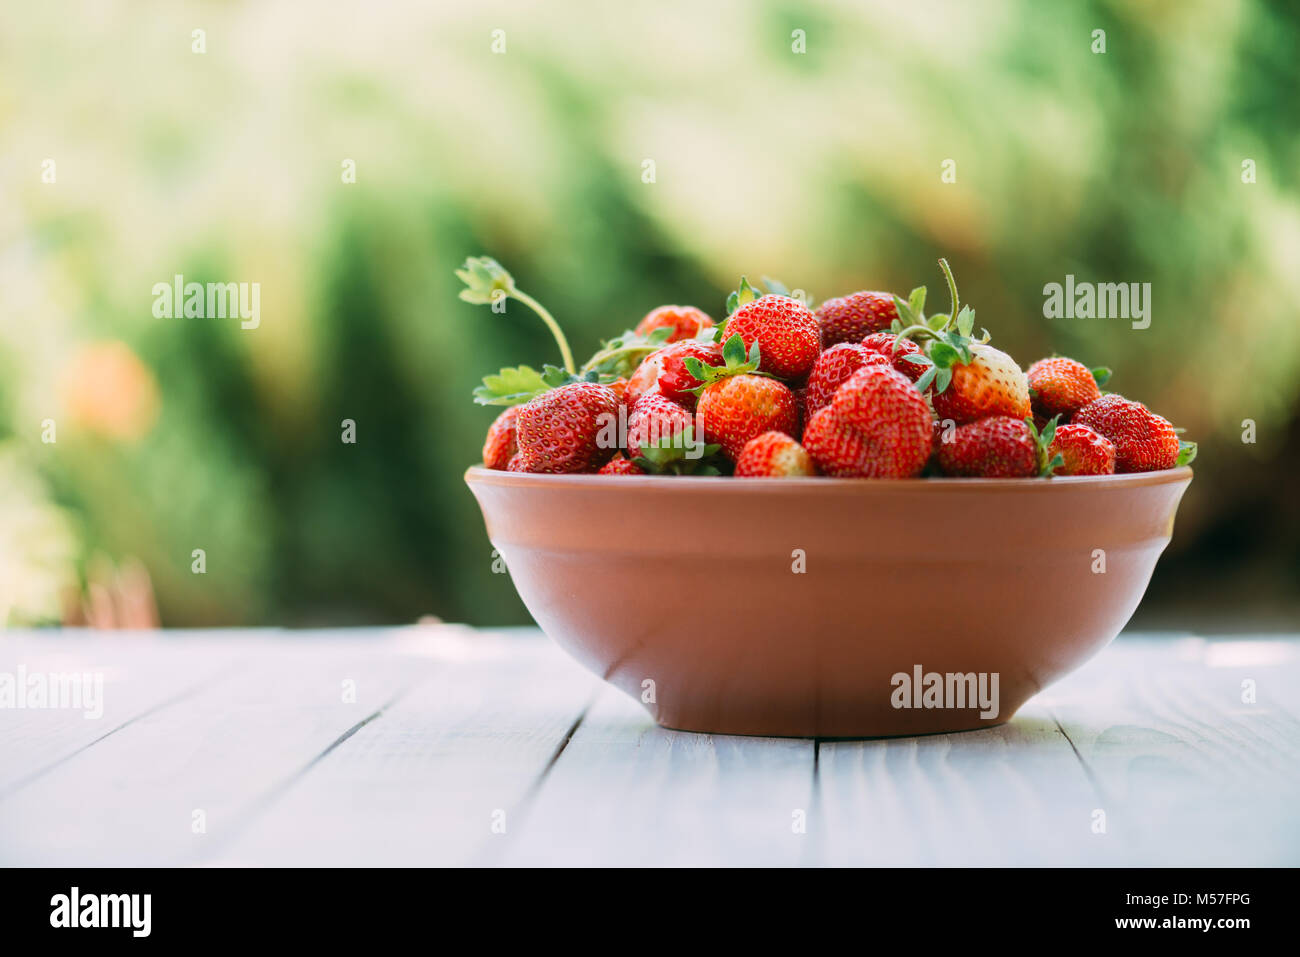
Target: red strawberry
773	455
1061	387
737	408
837	450
500	445
877	426
1144	441
990	385
620	465
832	368
997	447
1083	451
785	330
519	463
675	381
663	371
737	405
852	317
568	429
687	322
654	419
896	350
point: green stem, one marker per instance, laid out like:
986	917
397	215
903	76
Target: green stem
604	355
920	331
952	290
551	324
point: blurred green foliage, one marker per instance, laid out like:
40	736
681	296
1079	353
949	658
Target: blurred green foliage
821	168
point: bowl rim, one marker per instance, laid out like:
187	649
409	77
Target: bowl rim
481	474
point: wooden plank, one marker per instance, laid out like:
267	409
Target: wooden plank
1013	795
1189	773
627	792
452	726
140	673
131	798
426	783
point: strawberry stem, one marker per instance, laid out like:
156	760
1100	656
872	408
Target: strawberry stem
952	290
487	282
918	331
551	324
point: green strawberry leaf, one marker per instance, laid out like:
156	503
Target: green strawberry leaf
745	294
1049	430
484	280
554	377
512	386
733	350
775	287
944	354
942	379
679	454
1042	440
937	321
1186	453
1102	375
920	360
966	321
735	362
916	301
927	377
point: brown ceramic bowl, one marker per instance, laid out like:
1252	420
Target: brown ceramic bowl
683	591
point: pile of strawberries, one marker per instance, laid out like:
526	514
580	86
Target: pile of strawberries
864	386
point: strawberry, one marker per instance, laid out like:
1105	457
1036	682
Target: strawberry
1082	451
896	350
1144	441
784	329
686	322
738	408
773	455
566	429
620	465
990	384
664	372
850	318
519	463
996	447
877	426
736	404
654	418
832	368
500	445
966	379
663	439
1061	386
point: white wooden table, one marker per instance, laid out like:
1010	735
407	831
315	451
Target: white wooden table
474	747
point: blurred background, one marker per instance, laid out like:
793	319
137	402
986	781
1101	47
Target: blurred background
823	168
